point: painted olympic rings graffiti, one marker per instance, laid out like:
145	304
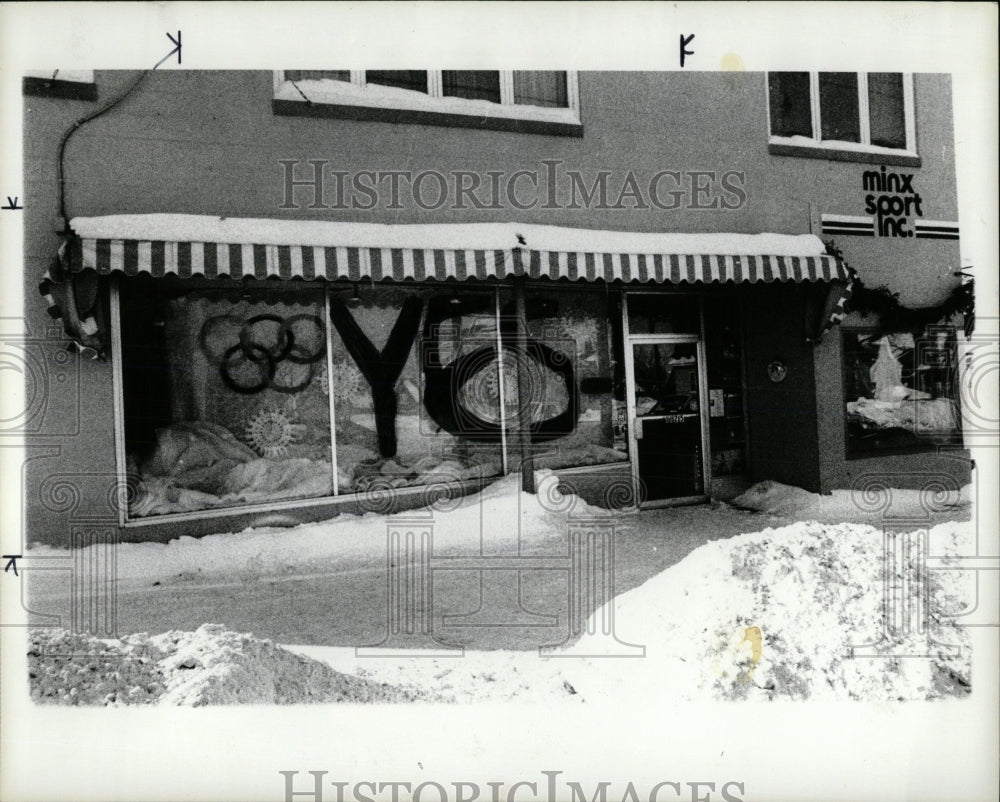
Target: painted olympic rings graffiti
263	343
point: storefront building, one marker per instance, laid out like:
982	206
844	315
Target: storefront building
637	281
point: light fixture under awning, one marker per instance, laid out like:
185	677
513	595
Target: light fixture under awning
194	245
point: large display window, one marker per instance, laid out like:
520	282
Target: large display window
900	390
405	390
577	380
224	395
256	392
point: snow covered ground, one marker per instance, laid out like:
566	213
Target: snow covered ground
778	614
486	520
770	609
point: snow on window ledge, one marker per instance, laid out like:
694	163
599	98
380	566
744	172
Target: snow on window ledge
330	98
72	84
837	150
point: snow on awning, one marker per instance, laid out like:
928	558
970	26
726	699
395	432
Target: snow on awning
197	245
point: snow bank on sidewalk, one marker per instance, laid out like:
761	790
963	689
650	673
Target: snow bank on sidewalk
775	498
210	666
494	519
769	615
776	614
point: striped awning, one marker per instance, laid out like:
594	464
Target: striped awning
200	245
263	261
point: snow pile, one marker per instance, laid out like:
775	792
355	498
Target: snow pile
457	236
783	613
775	498
495	520
208	666
72	669
776	614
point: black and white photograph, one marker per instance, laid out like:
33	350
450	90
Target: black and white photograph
424	401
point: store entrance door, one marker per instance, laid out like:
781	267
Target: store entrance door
668	412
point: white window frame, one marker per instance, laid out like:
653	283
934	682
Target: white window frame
865	145
357	93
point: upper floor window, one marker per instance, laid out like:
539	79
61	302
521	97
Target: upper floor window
851	114
76	84
523	100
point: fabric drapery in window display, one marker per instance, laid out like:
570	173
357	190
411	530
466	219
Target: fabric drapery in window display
224	397
900	390
425	451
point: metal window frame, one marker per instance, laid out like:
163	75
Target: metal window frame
118	403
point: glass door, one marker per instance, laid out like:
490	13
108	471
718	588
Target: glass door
667	400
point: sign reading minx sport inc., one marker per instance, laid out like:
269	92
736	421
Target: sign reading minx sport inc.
895	209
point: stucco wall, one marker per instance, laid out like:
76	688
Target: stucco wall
208	143
920	270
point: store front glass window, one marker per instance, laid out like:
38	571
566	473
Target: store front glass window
576	379
241	393
900	390
224	395
415	387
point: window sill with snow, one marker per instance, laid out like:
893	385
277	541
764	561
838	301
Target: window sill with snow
363	99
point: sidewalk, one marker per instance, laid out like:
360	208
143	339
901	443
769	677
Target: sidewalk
326	584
